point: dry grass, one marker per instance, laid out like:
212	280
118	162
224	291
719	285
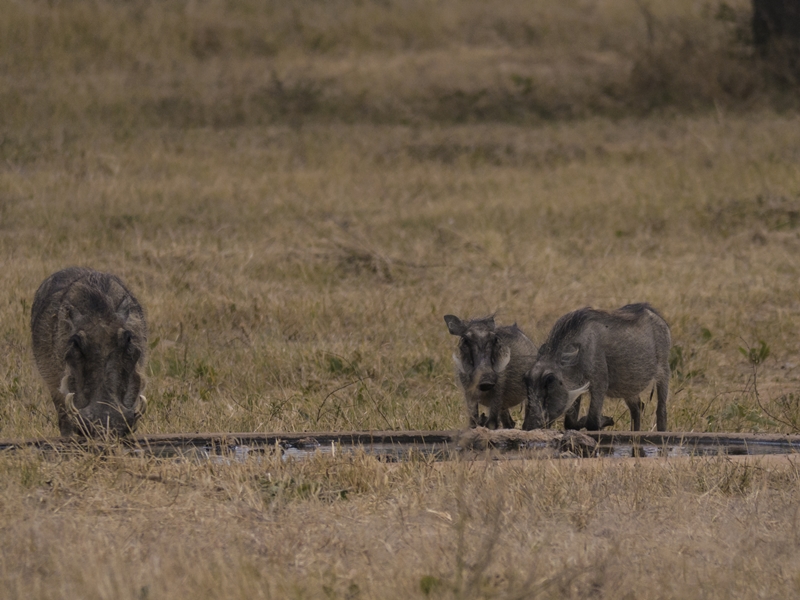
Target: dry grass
296	280
353	173
352	527
248	62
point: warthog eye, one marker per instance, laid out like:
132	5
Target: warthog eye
75	346
126	345
466	353
134	353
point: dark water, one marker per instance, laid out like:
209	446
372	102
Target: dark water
749	448
427	446
394	452
386	452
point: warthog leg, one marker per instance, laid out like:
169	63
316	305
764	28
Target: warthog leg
502	419
604	422
662	389
635	405
474	415
571	420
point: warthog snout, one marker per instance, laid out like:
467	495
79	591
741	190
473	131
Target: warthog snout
138	409
487	382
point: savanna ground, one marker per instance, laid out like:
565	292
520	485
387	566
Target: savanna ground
298	192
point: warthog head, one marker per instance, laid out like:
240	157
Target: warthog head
549	395
101	383
481	355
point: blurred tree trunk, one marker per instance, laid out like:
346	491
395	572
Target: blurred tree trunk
776	35
776	22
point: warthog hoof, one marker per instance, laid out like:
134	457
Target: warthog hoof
604	422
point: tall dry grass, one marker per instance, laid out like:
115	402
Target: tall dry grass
215	63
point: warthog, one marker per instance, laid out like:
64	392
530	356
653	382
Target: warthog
490	365
614	354
89	341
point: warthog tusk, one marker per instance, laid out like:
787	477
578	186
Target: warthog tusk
572	395
141	406
69	401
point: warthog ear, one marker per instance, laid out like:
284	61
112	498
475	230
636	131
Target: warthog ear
502	360
455	325
569	358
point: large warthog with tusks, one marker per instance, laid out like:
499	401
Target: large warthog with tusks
89	341
491	363
615	354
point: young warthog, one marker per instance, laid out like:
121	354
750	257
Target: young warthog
490	365
613	354
89	340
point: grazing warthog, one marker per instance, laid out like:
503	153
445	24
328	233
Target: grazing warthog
490	365
89	340
614	354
